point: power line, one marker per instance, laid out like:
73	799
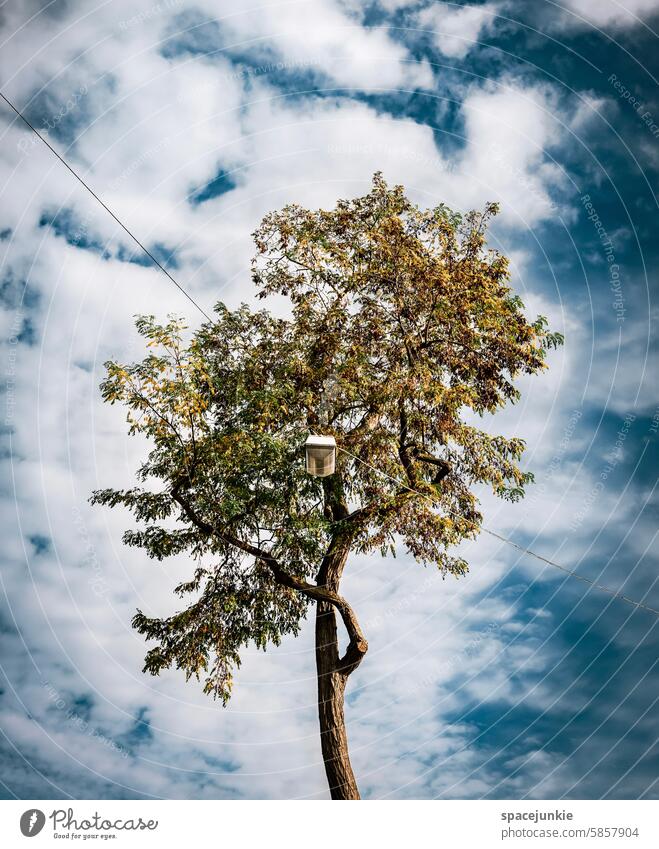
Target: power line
521	548
105	206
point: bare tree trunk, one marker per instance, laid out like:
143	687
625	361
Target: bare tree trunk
333	672
331	688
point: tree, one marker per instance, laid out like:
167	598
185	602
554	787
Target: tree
401	321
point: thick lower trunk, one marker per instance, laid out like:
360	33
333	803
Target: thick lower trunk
331	688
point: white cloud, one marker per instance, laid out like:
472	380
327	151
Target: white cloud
608	14
457	29
509	130
320	33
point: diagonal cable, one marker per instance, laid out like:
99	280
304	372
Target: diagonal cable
498	536
105	206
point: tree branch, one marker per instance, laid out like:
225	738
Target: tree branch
403	453
443	468
357	646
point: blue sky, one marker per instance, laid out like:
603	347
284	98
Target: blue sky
192	120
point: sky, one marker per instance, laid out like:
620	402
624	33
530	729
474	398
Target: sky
191	120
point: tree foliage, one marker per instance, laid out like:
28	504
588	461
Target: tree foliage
401	321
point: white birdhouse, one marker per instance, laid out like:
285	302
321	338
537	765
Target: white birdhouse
320	455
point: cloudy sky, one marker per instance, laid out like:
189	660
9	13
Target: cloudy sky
193	118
